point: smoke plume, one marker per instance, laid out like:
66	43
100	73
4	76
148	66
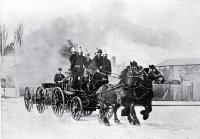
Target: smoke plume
128	30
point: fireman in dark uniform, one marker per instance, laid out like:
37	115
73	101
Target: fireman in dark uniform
86	76
107	69
97	65
72	58
77	69
59	77
81	62
98	60
87	60
73	67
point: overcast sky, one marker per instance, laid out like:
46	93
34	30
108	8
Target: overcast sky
148	31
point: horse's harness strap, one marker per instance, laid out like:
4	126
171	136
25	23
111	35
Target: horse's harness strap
148	90
117	86
142	95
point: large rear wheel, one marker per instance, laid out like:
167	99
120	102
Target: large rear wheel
40	100
76	108
58	102
28	100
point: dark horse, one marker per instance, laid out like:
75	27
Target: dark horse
120	94
144	93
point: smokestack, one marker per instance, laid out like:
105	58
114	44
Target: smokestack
113	60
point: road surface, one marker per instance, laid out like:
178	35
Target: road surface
170	122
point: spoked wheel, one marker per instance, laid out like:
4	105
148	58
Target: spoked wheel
40	100
109	112
28	100
87	113
58	102
76	108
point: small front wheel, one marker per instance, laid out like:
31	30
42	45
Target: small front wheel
109	112
76	108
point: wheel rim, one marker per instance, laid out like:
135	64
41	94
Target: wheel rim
87	113
109	113
27	100
76	108
58	102
40	99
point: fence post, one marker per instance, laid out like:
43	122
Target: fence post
174	93
191	92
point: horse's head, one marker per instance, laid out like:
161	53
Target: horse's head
133	74
159	77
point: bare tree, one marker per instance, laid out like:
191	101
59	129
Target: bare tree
18	36
4	37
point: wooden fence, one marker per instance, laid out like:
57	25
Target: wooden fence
187	91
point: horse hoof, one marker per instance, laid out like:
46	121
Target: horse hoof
145	117
137	123
117	121
132	123
107	124
142	112
100	121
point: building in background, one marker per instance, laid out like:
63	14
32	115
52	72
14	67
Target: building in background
180	69
182	80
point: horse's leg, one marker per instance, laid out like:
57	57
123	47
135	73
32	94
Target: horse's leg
102	112
128	115
149	103
115	108
148	106
125	111
105	120
133	114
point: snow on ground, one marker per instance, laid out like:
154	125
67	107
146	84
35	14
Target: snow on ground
170	122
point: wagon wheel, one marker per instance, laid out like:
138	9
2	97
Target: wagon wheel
87	112
28	100
109	112
40	100
58	102
76	108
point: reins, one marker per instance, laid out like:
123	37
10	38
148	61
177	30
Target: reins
139	98
117	74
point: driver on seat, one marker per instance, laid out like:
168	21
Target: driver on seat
59	77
